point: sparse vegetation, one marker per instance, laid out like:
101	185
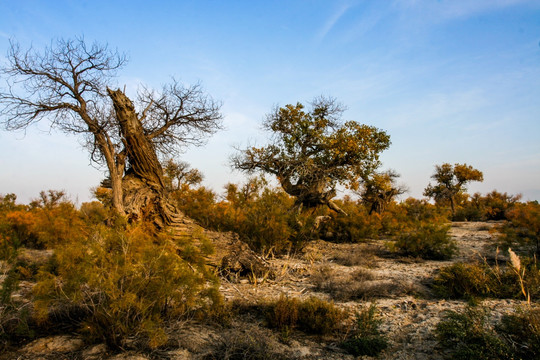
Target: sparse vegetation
366	338
313	315
427	242
521	331
471	280
467	335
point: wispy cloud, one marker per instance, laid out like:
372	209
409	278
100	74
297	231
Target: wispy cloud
332	21
455	9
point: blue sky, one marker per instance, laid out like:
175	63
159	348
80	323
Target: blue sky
450	81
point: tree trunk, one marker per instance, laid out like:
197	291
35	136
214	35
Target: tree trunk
145	196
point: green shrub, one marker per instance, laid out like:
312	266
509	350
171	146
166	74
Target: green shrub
467	336
468	281
462	280
366	338
428	241
523	333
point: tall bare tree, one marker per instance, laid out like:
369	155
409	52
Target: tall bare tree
69	84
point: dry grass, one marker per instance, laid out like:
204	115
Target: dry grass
358	256
358	284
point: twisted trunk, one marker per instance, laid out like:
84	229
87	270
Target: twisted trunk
145	198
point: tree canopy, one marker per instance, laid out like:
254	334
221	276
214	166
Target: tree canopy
312	151
379	189
451	181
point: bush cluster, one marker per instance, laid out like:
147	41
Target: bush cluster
492	206
468	335
261	215
523	227
427	241
480	280
312	316
107	280
366	338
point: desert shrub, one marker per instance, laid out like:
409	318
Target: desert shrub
259	214
468	212
427	241
496	205
57	220
46	222
316	316
467	335
462	280
249	344
283	314
94	213
354	227
125	283
312	316
492	206
366	338
421	211
523	228
199	204
522	331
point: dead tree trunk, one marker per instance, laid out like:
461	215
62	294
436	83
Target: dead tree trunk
145	196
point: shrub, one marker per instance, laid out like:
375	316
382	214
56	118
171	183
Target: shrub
257	213
428	242
355	227
523	333
249	344
496	205
462	280
312	316
125	283
467	336
366	339
523	228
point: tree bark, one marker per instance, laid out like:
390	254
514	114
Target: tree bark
145	196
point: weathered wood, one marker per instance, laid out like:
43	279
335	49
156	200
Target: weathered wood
145	196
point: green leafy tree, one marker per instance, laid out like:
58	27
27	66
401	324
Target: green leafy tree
312	151
450	182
